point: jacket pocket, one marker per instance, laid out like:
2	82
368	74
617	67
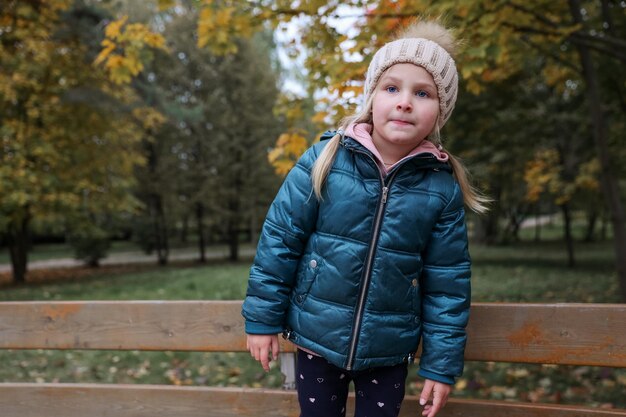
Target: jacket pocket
416	293
308	271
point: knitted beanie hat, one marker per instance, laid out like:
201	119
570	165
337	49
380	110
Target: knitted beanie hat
428	45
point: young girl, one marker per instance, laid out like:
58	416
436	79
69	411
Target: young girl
364	250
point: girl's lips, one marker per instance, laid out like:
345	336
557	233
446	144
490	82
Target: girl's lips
401	122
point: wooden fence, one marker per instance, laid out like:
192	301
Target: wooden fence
572	334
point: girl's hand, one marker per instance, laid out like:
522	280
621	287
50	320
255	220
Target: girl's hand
260	346
439	393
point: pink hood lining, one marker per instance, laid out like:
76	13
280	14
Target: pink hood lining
362	133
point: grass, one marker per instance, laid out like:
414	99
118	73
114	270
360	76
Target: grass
522	272
217	282
538	272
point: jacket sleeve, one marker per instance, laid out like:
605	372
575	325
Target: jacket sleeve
288	225
446	295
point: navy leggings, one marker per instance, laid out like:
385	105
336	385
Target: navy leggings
323	388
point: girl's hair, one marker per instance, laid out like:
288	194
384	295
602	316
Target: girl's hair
325	160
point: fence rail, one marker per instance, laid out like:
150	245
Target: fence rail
573	334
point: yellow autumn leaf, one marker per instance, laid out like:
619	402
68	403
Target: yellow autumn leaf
155	40
108	48
114	28
473	86
166	4
224	16
319	117
283	166
149	117
289	147
133	64
114	62
274	154
294	113
120	76
282	140
296	145
131	41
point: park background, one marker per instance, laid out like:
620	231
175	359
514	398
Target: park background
142	142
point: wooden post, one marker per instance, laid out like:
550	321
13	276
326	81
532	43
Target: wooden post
288	368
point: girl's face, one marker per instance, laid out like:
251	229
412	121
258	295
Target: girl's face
404	109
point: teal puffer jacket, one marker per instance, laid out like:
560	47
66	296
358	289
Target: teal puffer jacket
361	275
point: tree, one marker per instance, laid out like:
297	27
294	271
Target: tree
61	151
247	128
555	31
610	185
209	159
501	37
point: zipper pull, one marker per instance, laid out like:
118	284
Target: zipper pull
385	192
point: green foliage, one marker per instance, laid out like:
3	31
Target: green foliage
207	162
90	244
143	234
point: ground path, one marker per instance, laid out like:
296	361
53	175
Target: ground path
133	257
187	254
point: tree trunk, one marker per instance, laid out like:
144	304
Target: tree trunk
486	228
18	248
537	224
567	229
233	229
160	230
592	220
184	232
603	228
254	234
610	187
200	222
516	223
515	218
234	206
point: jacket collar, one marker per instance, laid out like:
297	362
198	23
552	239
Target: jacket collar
425	160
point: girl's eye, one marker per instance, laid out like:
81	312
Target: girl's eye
392	89
422	94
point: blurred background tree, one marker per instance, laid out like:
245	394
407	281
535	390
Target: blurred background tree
69	135
563	58
199	98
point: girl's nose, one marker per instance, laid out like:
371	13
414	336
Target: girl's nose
404	104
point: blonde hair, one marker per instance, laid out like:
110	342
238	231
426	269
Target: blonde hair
322	166
325	160
472	198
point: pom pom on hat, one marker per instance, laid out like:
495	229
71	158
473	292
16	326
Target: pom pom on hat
428	45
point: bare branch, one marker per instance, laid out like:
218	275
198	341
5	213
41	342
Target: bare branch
532	30
609	38
578	38
550	54
620	43
605	49
535	14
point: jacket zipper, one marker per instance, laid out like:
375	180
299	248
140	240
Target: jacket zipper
367	274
